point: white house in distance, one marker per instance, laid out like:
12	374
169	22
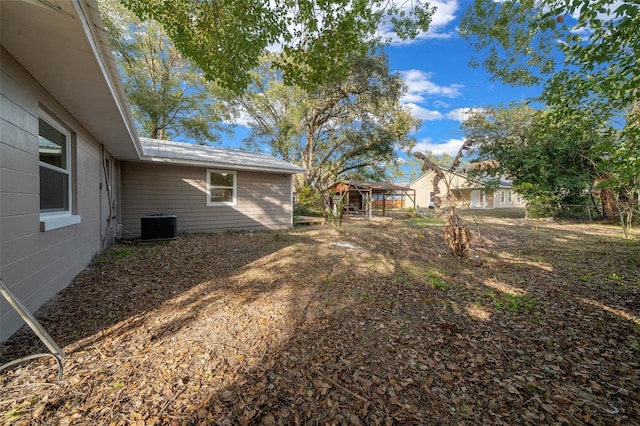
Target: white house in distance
73	170
469	193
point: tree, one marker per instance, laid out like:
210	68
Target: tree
411	169
348	127
549	160
584	53
274	111
456	234
169	97
226	38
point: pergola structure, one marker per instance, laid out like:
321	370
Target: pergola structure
363	197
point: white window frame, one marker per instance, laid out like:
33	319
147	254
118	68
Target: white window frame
502	197
509	196
234	188
62	218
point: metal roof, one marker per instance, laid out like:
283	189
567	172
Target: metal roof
376	186
157	150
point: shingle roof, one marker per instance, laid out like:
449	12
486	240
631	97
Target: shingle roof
184	153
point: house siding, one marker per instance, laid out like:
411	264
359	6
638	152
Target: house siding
263	199
36	265
421	186
424	186
462	189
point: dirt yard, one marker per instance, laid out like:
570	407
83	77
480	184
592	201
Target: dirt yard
371	324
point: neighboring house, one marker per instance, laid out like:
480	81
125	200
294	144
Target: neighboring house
72	168
208	189
468	192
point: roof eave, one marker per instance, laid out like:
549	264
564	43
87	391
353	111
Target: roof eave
66	50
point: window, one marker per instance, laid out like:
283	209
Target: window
221	188
54	147
509	196
54	168
502	196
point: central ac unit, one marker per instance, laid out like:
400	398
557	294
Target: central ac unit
158	227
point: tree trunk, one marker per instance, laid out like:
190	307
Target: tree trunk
456	234
608	199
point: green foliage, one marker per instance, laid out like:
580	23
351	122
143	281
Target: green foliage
536	195
549	159
169	97
585	55
582	50
115	253
438	283
348	128
226	38
309	202
514	303
305	210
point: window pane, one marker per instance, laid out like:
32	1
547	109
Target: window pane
53	145
54	190
219	195
221	179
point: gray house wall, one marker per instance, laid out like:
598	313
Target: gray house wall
263	199
34	264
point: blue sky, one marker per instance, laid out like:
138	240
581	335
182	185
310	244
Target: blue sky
441	83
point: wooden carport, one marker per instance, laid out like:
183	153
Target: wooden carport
359	197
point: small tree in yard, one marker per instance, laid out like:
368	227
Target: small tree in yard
456	235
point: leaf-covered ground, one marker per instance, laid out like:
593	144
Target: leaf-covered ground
372	324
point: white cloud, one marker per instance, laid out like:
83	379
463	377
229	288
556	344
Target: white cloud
444	15
451	147
243	119
583	33
419	86
461	114
423	113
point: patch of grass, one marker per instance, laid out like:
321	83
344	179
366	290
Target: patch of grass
615	276
115	253
368	297
17	412
432	276
438	283
122	252
13	414
424	221
515	303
